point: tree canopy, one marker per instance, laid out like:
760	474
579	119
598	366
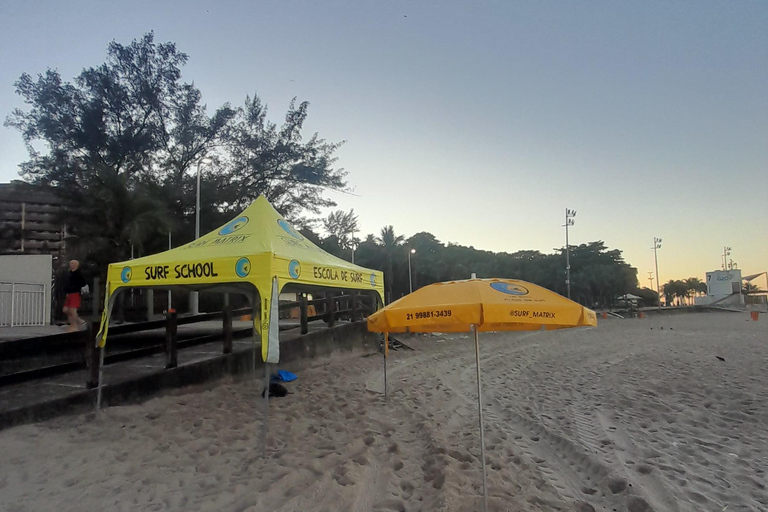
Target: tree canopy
122	139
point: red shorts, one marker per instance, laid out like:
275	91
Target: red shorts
72	301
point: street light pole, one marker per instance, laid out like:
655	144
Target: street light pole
657	245
410	279
569	215
193	297
726	253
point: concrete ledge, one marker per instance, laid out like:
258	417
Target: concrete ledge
127	383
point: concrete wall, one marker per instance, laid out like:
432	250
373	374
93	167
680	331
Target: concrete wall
29	269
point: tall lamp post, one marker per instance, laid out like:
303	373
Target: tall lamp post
726	253
569	215
656	246
410	279
194	300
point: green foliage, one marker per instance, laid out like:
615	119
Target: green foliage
121	139
343	226
647	296
599	274
262	159
675	290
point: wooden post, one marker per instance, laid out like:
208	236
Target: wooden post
329	308
92	353
304	313
171	352
355	311
121	306
226	315
149	296
96	298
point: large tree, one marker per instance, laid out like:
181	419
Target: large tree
120	139
343	226
262	158
106	136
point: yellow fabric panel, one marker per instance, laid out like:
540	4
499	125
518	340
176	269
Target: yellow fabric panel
492	304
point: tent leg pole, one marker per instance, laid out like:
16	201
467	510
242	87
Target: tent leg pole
480	410
101	377
386	352
266	410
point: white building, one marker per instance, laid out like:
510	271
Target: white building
723	288
25	290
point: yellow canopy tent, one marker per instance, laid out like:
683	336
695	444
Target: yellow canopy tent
479	305
257	250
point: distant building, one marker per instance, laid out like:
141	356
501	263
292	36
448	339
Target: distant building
31	220
723	289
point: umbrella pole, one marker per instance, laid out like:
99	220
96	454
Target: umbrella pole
386	352
480	410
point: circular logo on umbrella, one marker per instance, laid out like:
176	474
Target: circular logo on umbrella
126	274
243	267
233	225
294	269
373	280
510	288
288	229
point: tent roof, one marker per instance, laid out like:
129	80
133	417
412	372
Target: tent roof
252	248
259	229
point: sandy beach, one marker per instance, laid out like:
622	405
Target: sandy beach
667	413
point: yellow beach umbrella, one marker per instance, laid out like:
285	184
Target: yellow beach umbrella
480	305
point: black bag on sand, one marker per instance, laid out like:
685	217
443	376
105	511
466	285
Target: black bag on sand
276	389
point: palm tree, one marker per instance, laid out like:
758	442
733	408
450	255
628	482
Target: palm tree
693	285
675	289
390	243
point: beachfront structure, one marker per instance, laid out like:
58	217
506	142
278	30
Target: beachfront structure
723	289
31	220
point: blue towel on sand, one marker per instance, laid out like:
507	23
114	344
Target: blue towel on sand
284	376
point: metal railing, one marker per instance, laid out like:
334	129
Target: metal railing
22	304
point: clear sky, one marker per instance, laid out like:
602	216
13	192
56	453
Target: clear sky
481	121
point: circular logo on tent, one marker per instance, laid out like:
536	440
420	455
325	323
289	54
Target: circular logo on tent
294	269
243	267
126	274
510	289
233	225
288	229
373	280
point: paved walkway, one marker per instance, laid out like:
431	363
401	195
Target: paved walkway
21	333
